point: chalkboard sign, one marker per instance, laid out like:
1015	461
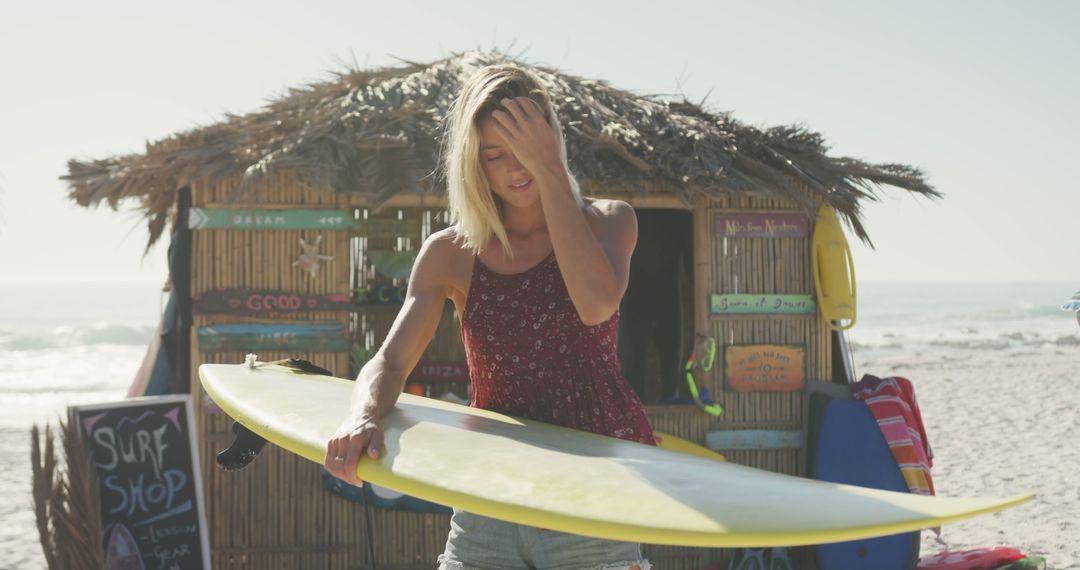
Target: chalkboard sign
147	465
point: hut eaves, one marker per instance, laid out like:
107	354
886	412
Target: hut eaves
377	131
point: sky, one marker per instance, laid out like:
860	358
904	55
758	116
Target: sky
980	95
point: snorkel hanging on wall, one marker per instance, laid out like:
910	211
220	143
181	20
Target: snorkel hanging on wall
705	365
834	271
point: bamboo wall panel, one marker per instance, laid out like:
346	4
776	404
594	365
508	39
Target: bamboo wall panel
757	265
275	513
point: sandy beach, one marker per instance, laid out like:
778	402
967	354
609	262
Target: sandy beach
1001	422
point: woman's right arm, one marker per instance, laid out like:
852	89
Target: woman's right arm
382	379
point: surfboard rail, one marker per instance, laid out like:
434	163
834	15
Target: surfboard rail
551	477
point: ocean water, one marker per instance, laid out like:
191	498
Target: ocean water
60	345
64	344
72	344
900	319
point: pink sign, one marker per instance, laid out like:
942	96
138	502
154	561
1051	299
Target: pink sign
762	225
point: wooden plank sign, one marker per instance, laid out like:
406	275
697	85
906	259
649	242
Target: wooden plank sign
765	368
264	302
762	225
752	439
256	219
438	371
763	304
147	463
296	219
329	337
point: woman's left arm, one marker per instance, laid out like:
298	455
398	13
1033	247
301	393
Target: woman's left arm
593	249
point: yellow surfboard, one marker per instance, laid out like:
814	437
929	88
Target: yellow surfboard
834	271
561	479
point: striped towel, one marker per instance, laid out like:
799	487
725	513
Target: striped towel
892	402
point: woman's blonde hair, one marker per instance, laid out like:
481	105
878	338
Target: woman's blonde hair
474	208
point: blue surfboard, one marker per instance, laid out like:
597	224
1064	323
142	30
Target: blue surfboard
845	445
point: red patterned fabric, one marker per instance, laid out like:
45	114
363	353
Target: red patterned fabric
892	402
531	356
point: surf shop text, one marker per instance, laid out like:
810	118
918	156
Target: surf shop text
140	447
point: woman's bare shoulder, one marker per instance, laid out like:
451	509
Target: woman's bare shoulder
447	242
444	256
606	215
445	263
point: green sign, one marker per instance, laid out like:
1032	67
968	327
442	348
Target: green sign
762	304
255	219
328	337
384	228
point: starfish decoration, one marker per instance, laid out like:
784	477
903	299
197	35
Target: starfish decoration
309	260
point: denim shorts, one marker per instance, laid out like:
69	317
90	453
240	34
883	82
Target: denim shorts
481	543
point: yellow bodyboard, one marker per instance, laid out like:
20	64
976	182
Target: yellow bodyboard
834	271
561	479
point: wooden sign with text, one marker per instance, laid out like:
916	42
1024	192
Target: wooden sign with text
293	219
753	225
146	458
263	302
762	304
765	368
328	337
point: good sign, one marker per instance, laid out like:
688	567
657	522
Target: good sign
263	302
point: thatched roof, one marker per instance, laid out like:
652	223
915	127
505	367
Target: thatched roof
377	132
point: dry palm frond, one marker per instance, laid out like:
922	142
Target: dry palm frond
376	132
43	465
67	503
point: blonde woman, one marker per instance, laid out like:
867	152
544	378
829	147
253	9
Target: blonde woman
536	273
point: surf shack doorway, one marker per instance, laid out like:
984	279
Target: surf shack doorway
656	325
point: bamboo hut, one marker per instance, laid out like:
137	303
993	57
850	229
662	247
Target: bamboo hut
323	193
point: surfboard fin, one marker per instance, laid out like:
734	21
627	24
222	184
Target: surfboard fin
305	366
245	446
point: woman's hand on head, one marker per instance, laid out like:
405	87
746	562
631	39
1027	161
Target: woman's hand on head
355	437
520	122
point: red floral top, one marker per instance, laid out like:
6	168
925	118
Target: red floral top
531	356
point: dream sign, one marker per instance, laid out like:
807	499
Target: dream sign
296	219
144	454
